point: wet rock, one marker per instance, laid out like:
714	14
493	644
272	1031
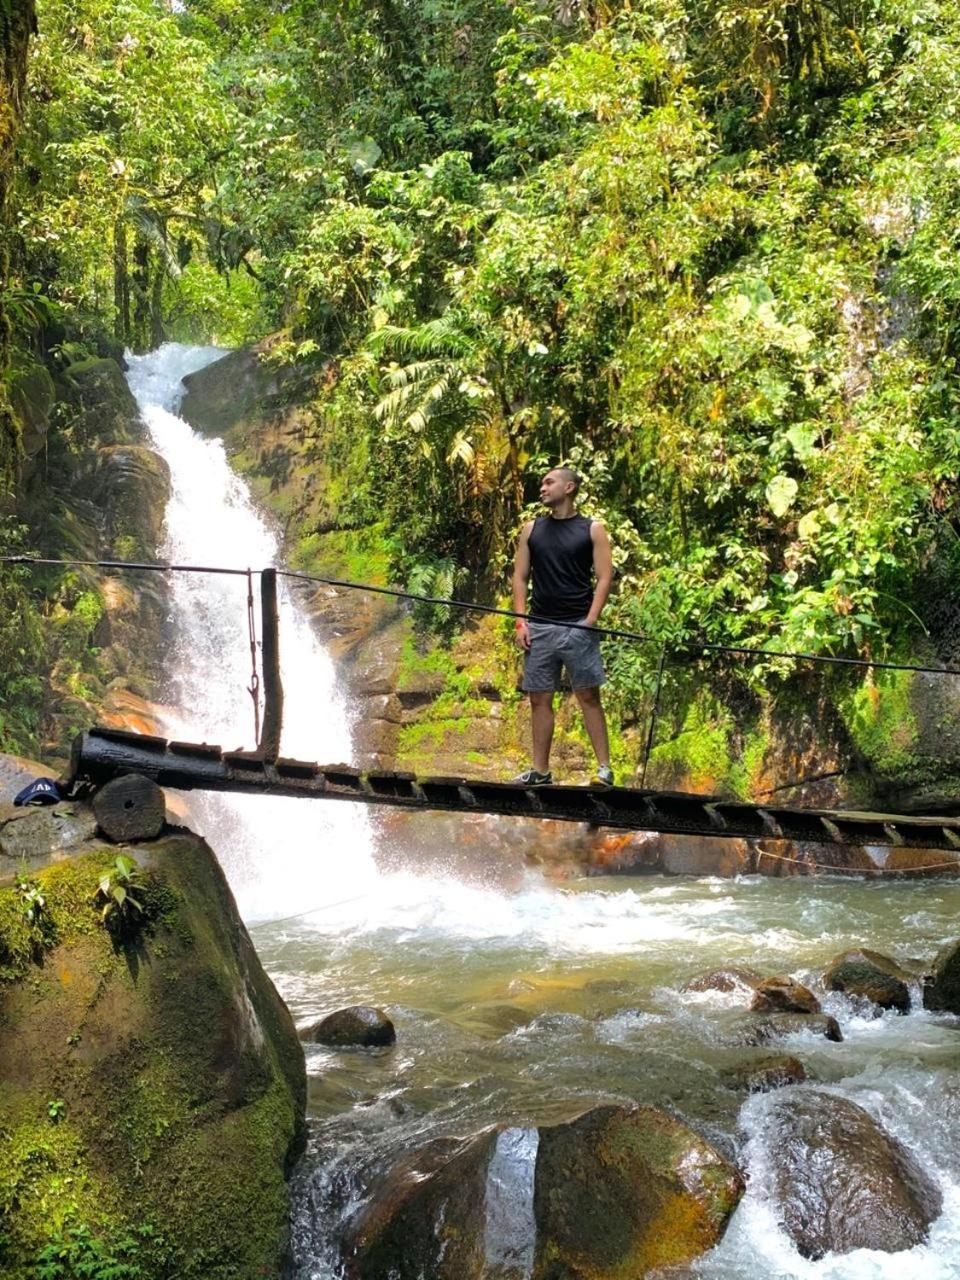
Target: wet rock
498	1019
32	838
941	990
427	1220
622	1193
132	485
783	995
16	772
359	1026
775	1072
843	1183
731	979
608	1194
776	1025
106	409
860	972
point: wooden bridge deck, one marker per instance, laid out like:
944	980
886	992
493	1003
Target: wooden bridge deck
102	754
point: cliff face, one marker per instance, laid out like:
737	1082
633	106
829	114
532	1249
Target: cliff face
152	1086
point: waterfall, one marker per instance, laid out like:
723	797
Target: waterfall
280	855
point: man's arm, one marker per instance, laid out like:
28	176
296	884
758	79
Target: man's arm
521	577
603	568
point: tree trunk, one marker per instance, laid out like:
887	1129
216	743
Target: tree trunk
121	283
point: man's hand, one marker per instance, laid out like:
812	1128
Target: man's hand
522	633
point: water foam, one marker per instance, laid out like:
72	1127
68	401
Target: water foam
278	853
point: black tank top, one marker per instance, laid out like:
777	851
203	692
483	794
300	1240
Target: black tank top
561	559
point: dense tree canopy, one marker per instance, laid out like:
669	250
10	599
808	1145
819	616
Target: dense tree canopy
705	251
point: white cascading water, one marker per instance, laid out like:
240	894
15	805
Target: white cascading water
279	854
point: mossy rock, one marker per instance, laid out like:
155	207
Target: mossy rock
621	1193
613	1194
106	411
151	1082
942	989
866	973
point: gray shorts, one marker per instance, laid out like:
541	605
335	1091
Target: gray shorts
553	647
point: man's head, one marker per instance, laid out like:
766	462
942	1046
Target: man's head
559	486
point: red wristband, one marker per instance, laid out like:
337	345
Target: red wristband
518	624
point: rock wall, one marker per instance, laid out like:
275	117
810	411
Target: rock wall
152	1087
90	489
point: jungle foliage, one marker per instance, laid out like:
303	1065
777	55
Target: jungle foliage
705	251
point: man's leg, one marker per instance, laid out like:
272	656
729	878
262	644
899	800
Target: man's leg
541	715
594	722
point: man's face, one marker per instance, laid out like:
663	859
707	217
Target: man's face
553	489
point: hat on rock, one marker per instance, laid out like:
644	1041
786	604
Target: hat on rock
40	791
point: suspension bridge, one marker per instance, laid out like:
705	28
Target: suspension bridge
101	754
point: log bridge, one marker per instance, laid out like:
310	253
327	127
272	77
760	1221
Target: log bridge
102	754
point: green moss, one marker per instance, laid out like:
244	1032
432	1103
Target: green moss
177	1066
883	726
699	756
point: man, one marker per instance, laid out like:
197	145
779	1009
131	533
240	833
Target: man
564	551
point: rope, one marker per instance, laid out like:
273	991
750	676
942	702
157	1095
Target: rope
254	688
859	871
473	607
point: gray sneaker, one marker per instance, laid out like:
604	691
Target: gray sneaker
603	777
532	778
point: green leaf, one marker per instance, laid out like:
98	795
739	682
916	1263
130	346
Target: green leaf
781	494
803	441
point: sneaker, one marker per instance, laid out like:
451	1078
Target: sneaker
603	777
532	778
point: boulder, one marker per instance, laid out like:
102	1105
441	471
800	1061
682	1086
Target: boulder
941	990
16	772
773	1026
179	1081
359	1026
106	411
622	1193
33	837
232	389
770	1073
730	979
609	1194
841	1182
869	974
783	995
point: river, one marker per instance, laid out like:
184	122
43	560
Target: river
513	996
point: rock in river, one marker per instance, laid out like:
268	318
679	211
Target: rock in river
774	1072
357	1027
783	995
869	974
843	1183
942	989
609	1194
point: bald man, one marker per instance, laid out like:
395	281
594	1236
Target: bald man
568	557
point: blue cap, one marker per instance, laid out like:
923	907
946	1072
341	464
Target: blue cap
40	791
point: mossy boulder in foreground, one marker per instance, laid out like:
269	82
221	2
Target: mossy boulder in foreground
152	1086
611	1194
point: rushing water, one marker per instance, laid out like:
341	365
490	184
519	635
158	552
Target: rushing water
513	997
